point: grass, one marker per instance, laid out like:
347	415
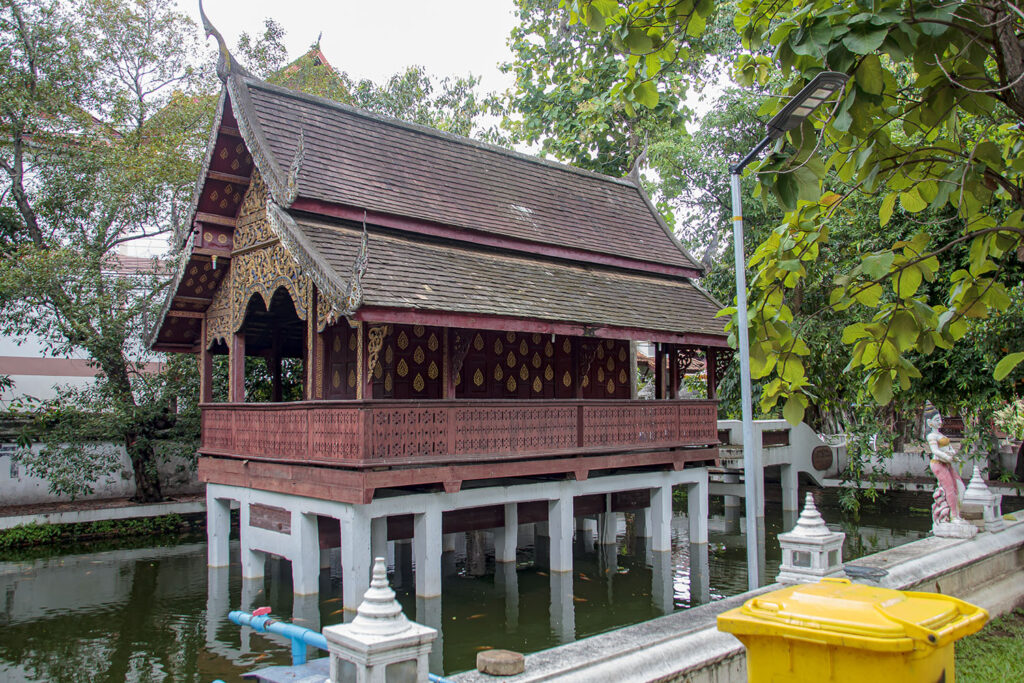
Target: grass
995	654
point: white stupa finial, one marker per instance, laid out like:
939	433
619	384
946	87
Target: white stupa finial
379	614
810	522
976	487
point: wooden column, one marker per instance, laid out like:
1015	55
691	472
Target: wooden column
711	371
659	371
313	362
236	368
205	367
673	371
448	388
361	362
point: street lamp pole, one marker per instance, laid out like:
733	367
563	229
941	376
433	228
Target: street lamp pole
821	88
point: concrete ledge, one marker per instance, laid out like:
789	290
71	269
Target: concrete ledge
686	646
104	514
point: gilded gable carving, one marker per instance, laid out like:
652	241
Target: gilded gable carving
253	226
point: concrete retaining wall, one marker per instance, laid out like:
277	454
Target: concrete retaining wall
987	570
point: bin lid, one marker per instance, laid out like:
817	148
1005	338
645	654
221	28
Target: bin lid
839	612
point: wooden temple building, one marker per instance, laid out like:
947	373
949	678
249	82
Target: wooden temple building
465	318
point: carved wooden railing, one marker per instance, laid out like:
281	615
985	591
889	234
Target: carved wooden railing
377	433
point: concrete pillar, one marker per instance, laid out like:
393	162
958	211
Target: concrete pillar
355	560
790	488
448	543
306	557
697	509
661	518
379	537
731	501
218	531
506	538
218	603
560	523
428	613
252	560
426	546
642	523
306	611
700	574
607	528
759	472
252	595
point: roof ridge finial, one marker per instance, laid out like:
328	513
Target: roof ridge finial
227	65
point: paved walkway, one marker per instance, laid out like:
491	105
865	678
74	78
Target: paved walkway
72	512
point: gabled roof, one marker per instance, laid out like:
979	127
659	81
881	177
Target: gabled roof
350	157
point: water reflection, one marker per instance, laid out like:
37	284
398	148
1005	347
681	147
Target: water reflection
159	614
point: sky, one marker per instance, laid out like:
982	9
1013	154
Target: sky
375	39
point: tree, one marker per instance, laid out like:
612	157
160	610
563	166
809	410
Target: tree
932	119
102	129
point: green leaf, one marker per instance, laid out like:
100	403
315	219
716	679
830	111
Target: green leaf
869	296
864	38
885	211
906	283
881	388
912	201
646	94
793	411
1007	364
877	265
869	75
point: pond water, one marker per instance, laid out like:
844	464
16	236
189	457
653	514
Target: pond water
152	611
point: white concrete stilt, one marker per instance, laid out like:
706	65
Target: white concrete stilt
448	543
426	546
700	574
661	518
218	603
428	613
218	531
253	560
506	538
379	537
607	528
697	508
662	587
306	558
355	559
506	579
642	523
560	527
563	611
790	488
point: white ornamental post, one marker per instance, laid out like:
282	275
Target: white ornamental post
978	495
380	645
810	551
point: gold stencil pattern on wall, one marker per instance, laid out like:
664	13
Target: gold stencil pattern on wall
549	349
548	373
336	379
377	372
389	355
417	382
478	342
337	344
567	379
610	386
418	356
510	337
524	373
389	384
600	374
403	368
498	373
511	359
352	378
537	385
585	383
524	348
600	353
403	341
535	338
511	383
611	364
458	378
432	343
608	344
499	348
418	330
622	355
566	345
478	377
622	376
535	361
352	341
432	371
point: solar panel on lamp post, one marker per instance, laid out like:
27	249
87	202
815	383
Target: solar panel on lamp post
814	94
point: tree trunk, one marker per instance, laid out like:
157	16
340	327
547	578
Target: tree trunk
147	481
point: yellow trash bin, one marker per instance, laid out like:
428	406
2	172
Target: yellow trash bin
837	631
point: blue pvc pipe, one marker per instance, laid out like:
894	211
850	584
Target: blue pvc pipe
299	635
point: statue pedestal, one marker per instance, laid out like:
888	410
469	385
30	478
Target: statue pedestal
954	529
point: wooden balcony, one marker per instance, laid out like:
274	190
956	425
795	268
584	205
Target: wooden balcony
401	433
